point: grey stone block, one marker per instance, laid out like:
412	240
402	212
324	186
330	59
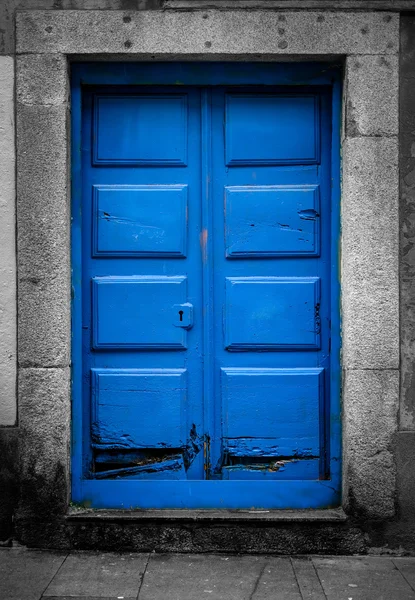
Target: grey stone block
370	253
9	7
43	236
41	79
7	245
9	479
99	575
372	95
26	573
211	34
44	418
370	403
44	332
371	578
405	460
407	222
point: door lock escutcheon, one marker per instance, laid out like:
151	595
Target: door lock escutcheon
183	315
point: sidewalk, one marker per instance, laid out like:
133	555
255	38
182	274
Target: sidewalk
35	574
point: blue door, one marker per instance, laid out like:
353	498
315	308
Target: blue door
205	311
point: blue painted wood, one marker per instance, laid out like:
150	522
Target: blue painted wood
147	220
155	396
138	312
272	313
271	221
271	129
255	304
153	129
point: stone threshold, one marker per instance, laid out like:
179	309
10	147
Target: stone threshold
224	516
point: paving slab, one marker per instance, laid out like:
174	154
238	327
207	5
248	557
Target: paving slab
407	567
277	581
24	574
362	579
192	577
308	580
100	575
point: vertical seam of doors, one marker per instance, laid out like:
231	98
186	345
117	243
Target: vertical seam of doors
207	270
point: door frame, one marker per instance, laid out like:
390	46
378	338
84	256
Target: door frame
208	494
47	43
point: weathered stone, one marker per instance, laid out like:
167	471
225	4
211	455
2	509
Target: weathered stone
43	237
8	9
24	574
41	79
407	223
369	578
44	416
7	246
99	575
210	35
372	95
405	463
44	419
308	580
9	479
370	401
370	267
225	578
44	322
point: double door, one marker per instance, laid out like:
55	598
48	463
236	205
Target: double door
206	308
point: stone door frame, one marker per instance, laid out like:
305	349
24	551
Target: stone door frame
368	44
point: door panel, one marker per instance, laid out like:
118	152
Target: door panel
207	260
271	283
142	370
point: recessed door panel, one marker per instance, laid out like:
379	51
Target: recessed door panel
139	220
138	408
272	221
272	313
272	129
138	312
203	308
141	129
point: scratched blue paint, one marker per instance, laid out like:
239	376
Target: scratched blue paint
253	229
205	308
149	220
272	313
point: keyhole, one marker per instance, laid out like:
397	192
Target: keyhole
181	315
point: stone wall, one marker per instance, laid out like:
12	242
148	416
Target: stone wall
378	431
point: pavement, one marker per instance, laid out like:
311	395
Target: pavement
35	574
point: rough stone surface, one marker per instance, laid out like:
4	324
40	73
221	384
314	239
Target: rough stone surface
370	267
24	575
7	246
8	9
44	417
99	575
41	79
285	538
407	222
369	427
372	95
218	35
43	236
223	578
9	479
367	578
405	463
